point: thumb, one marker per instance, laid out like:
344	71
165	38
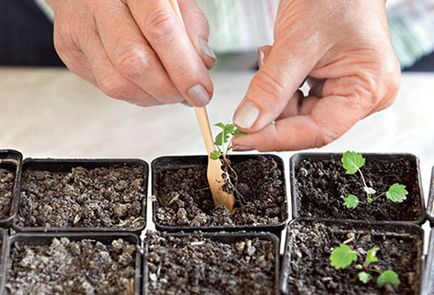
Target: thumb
197	28
280	75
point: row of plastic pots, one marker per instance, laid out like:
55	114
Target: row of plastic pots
251	259
318	186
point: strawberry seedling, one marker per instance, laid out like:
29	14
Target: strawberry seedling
352	163
343	257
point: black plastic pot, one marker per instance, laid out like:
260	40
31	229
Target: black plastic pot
224	237
428	277
430	204
178	162
296	160
46	238
390	230
65	165
3	251
11	160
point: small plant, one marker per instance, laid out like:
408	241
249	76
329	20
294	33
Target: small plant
223	145
352	163
223	140
343	257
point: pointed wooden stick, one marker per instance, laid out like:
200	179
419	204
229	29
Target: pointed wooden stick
214	171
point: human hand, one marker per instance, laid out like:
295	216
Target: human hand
344	48
137	51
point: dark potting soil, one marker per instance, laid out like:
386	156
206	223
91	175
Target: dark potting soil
197	265
184	199
311	272
72	267
322	185
7	178
101	197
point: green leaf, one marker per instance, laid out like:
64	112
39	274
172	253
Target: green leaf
371	255
342	256
352	162
369	190
364	277
222	138
215	155
220	125
358	266
351	201
397	193
388	277
229	128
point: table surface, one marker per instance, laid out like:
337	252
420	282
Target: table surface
53	113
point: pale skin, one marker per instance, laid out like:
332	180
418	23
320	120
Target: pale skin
138	51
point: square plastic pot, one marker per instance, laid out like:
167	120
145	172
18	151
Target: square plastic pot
46	238
390	229
227	238
296	159
12	160
430	204
178	162
65	165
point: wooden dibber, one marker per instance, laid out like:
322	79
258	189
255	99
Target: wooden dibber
214	171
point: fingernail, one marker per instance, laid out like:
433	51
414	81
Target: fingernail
246	115
242	148
261	56
199	95
205	48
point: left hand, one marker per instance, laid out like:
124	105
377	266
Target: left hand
344	48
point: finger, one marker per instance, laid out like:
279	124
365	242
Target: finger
272	87
108	79
293	106
131	54
165	32
299	105
197	28
328	120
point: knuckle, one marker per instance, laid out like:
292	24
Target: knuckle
272	87
160	24
130	61
392	83
112	88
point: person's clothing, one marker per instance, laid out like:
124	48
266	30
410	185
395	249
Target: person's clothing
411	24
26	35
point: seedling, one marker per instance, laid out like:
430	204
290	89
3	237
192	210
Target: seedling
223	145
352	163
223	140
344	256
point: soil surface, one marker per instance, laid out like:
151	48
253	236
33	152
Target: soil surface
7	178
197	265
101	197
311	272
322	185
184	198
72	267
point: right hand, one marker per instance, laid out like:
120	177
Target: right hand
137	50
